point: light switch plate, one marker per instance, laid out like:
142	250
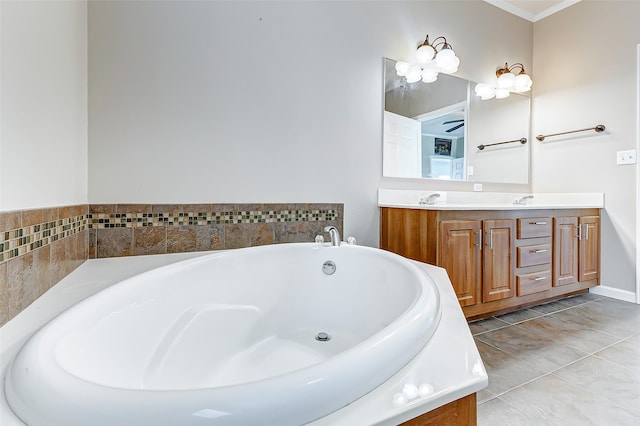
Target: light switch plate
626	157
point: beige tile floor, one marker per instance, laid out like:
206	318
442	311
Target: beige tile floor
570	362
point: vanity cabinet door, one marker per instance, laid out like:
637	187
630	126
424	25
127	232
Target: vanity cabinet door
498	265
565	250
589	248
459	251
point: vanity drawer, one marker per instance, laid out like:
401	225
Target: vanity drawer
538	254
534	227
533	282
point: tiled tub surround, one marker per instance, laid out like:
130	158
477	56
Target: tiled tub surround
40	247
37	249
128	229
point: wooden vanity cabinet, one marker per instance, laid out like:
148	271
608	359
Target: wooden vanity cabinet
576	249
500	260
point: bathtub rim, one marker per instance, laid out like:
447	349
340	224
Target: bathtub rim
451	337
31	370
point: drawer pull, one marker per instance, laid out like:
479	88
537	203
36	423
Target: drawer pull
539	278
538	251
537	223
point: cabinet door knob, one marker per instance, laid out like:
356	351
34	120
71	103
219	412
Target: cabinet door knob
538	251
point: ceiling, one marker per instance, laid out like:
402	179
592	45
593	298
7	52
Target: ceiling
532	10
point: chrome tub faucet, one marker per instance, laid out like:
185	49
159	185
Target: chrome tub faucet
335	235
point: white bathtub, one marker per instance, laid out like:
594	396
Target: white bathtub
230	338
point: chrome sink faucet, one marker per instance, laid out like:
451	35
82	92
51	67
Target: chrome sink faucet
430	200
335	235
522	200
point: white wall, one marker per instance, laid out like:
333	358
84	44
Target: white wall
585	74
266	101
43	120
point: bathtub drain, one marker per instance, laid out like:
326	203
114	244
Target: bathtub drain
323	337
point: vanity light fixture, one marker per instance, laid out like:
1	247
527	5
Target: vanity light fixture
507	81
433	58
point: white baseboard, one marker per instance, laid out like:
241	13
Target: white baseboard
614	293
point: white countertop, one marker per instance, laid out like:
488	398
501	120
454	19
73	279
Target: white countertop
454	200
450	362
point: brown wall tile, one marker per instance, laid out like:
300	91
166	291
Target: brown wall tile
150	240
69	211
59	266
4	294
102	208
210	237
236	236
181	239
42	267
31	217
10	220
133	208
249	207
262	234
300	232
15	274
50	214
113	242
92	243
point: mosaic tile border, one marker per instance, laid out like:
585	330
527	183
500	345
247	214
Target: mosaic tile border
135	220
20	241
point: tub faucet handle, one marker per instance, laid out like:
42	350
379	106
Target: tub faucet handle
335	235
351	241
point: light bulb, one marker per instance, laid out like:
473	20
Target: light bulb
506	80
425	54
414	74
446	59
522	83
485	91
502	93
452	66
430	72
402	68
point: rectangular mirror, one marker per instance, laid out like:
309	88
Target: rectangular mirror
433	131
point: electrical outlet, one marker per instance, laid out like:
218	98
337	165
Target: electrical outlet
626	157
477	187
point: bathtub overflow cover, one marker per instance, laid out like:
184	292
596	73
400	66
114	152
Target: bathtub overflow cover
329	267
323	337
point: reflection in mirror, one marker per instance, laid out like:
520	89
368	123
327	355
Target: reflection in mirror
431	130
494	121
424	126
